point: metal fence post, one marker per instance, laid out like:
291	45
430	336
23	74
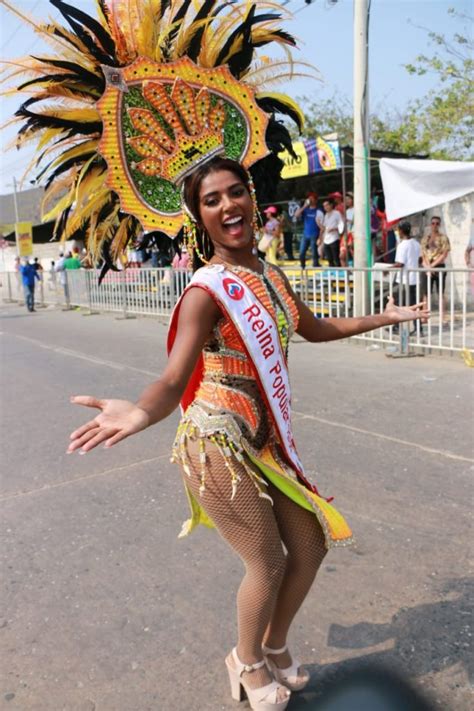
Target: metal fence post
87	276
67	294
42	303
173	277
10	299
404	328
123	296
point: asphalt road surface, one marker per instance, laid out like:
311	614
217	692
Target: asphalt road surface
103	608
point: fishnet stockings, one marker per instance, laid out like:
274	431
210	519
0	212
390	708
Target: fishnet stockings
275	584
304	541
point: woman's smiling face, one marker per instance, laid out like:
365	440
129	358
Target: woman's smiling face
226	211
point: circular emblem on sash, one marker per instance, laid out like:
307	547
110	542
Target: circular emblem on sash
233	289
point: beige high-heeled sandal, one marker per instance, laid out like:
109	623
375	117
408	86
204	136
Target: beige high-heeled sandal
262	699
289	677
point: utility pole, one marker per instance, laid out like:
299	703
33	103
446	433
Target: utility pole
362	241
17	214
15	200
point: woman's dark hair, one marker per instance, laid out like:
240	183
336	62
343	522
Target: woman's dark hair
330	200
191	190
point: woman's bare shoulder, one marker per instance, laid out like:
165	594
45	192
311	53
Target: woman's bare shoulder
197	303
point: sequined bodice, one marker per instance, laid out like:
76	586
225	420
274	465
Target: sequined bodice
229	385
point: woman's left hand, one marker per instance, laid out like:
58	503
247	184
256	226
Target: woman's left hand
399	314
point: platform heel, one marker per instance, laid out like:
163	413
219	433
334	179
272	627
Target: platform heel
262	699
289	677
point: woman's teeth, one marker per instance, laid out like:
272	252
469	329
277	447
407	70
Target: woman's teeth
233	221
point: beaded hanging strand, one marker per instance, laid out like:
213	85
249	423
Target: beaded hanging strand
190	235
256	219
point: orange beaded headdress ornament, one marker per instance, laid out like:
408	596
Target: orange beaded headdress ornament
132	101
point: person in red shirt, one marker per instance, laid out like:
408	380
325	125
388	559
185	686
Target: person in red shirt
338	203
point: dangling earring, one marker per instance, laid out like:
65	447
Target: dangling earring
189	229
190	236
206	245
256	215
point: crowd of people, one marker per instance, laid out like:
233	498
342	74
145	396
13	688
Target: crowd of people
288	232
327	231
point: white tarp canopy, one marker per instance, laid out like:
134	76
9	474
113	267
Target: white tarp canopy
411	186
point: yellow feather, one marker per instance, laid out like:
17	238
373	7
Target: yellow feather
61	205
80	215
78	53
186	34
89	184
33	164
48	136
262	75
66	182
118	16
120	238
220	32
46	30
99	232
83	148
146	30
80	115
100	14
83	175
23	67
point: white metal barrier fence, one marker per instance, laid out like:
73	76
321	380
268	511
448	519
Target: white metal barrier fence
329	292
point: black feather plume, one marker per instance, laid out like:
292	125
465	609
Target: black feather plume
273	105
70	14
194	46
86	76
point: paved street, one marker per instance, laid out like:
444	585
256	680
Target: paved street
104	609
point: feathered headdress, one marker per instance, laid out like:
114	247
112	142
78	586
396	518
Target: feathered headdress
130	93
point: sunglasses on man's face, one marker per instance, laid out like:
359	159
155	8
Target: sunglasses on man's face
435	222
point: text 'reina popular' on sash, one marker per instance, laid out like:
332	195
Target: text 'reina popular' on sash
259	335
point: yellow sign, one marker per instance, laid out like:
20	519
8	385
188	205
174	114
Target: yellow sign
295	167
24	238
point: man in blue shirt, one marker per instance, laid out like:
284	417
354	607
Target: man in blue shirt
312	220
29	274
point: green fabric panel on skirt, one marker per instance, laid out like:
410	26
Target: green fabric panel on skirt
290	489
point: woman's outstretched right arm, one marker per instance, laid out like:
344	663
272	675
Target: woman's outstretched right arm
119	419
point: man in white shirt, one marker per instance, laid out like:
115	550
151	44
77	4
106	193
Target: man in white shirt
60	267
407	257
331	231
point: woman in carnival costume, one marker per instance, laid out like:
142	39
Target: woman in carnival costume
177	133
228	348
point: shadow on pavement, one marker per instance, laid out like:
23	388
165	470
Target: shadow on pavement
426	639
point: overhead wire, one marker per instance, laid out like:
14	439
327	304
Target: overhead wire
18	28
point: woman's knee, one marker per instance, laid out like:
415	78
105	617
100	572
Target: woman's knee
306	561
309	552
270	565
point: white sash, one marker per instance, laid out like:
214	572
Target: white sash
259	334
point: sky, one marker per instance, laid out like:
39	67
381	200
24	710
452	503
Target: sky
324	31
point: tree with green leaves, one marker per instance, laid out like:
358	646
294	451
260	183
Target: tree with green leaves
447	111
439	125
